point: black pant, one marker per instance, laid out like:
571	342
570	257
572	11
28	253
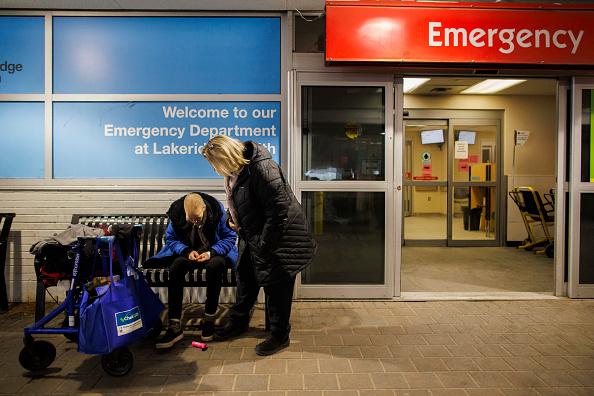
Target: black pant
179	266
279	299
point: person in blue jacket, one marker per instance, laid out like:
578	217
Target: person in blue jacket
196	237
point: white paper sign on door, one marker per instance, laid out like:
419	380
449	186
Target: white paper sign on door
461	149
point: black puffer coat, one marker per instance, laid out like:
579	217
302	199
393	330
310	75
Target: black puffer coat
272	222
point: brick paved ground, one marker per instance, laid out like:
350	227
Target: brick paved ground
541	347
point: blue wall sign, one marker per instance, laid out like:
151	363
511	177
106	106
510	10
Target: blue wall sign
153	140
22	65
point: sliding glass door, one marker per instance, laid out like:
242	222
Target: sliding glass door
451	180
345	140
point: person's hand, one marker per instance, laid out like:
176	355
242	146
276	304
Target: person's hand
203	257
193	255
232	225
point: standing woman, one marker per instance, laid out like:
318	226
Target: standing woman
275	242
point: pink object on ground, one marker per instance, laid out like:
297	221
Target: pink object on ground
200	345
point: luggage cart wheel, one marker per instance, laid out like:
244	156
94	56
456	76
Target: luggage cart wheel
118	362
37	355
526	242
550	250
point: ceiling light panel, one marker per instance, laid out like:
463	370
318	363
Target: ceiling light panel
410	84
491	86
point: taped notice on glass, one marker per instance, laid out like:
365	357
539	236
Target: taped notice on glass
521	137
461	149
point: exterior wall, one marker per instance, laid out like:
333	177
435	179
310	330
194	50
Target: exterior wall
43	211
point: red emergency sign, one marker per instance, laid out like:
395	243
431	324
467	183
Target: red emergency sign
460	33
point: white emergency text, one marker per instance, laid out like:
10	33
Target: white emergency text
505	39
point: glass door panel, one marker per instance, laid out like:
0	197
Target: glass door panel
587	165
481	149
345	183
429	153
586	270
428	219
474	213
586	267
474	181
343	133
425	182
349	228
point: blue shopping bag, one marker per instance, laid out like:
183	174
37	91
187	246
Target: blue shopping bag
110	316
152	306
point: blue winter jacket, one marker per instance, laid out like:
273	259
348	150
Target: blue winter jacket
177	237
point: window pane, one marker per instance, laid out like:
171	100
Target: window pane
474	213
480	162
309	33
428	218
586	238
343	131
427	152
587	165
349	228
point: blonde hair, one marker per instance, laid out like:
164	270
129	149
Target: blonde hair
225	154
194	206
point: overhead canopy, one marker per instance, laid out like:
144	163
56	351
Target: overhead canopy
441	34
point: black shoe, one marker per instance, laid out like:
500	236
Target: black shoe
170	338
229	331
270	346
207	330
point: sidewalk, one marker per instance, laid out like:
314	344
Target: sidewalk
543	347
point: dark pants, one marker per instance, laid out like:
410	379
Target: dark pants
279	299
179	266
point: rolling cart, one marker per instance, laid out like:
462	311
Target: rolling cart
37	355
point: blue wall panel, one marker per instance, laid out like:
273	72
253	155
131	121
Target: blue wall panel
22	47
166	55
22	152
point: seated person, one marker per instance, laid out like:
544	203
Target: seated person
196	237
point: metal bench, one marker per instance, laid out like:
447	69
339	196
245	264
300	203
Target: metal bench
151	241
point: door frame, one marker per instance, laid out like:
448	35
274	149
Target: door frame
392	251
576	189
